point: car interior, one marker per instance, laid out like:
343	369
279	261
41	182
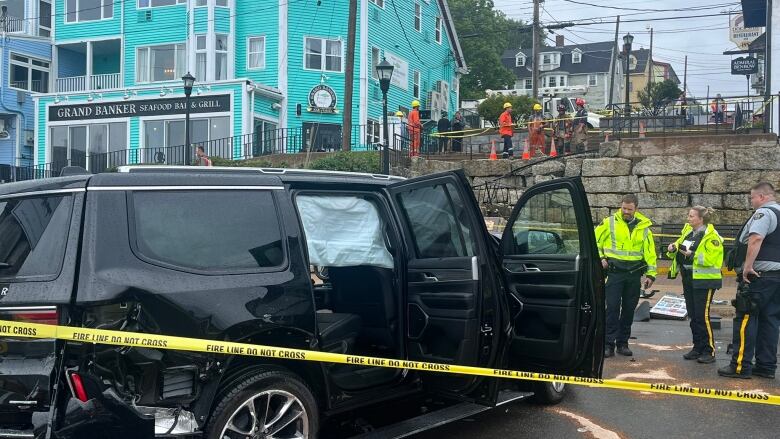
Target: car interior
351	249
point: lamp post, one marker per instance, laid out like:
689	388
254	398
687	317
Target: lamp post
189	81
384	71
628	39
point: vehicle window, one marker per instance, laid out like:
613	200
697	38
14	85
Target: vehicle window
437	230
343	231
210	230
547	225
33	236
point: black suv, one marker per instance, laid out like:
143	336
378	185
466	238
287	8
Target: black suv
408	270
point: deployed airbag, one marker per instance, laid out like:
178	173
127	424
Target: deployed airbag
343	231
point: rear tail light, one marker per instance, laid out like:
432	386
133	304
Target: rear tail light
32	314
77	386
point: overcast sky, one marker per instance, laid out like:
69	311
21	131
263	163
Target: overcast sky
703	39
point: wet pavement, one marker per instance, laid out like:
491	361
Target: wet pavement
612	414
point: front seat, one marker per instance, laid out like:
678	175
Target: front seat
368	292
338	331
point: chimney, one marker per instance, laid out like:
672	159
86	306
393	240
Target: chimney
559	41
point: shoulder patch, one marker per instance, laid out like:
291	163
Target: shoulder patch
758	216
715	242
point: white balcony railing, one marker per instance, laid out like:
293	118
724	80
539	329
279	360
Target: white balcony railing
12	24
96	82
105	81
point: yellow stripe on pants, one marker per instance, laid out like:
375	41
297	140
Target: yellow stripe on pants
742	342
707	321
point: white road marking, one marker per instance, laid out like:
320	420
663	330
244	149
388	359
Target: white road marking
660	374
663	347
596	431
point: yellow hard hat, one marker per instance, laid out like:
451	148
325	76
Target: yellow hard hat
415	103
507	105
399	114
537	107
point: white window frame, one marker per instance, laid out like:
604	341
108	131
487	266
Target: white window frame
323	55
204	52
520	61
249	52
376	54
576	57
548	60
416	88
417	16
204	3
373	132
103	4
177	47
438	29
594	82
562	81
226	3
528	84
51	18
149	4
379	3
30	67
552	80
225	52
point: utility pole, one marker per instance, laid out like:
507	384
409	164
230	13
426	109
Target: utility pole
768	105
615	58
349	77
685	90
651	71
536	44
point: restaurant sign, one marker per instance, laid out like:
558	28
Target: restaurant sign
143	107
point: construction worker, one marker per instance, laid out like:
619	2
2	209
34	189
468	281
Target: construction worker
415	128
698	256
506	129
562	131
718	107
580	126
399	130
757	258
536	130
627	251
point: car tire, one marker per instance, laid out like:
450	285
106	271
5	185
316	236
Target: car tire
277	395
546	393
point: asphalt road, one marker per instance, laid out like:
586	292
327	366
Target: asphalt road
612	414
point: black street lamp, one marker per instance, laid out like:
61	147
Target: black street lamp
384	71
628	39
189	81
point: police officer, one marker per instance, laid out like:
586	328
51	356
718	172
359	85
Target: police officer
758	308
698	256
627	251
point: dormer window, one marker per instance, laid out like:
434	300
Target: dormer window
632	62
546	58
576	57
520	61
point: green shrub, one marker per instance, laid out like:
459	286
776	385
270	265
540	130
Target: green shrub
349	161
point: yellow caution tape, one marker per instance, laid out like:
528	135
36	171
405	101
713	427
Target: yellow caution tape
121	338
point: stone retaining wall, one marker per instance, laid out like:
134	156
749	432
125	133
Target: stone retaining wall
667	174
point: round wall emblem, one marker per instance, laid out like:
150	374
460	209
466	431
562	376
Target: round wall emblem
322	99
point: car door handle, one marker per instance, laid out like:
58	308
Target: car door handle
427	277
530	267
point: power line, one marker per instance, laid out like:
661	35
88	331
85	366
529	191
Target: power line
692	8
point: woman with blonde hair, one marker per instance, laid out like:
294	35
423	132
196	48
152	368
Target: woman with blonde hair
698	256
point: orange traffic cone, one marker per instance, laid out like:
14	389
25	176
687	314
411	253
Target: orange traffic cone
526	152
553	148
642	129
493	155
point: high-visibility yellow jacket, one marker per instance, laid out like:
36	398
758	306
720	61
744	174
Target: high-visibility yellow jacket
615	242
707	259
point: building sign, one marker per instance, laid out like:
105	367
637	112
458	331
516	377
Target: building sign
400	76
142	107
744	66
739	34
322	99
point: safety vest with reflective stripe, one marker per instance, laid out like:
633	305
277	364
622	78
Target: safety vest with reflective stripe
615	241
708	258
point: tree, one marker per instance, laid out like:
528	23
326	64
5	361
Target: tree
491	108
658	96
484	35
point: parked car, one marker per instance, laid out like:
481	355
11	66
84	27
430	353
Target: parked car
410	272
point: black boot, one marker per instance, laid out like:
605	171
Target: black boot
692	355
609	351
624	350
764	373
730	371
706	358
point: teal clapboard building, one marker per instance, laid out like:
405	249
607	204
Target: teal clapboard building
269	76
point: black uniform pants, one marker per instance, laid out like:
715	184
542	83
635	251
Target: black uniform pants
507	145
757	333
697	302
622	291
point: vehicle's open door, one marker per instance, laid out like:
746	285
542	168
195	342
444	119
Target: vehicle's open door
452	301
554	279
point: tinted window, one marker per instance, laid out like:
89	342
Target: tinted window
208	230
33	234
546	225
438	230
